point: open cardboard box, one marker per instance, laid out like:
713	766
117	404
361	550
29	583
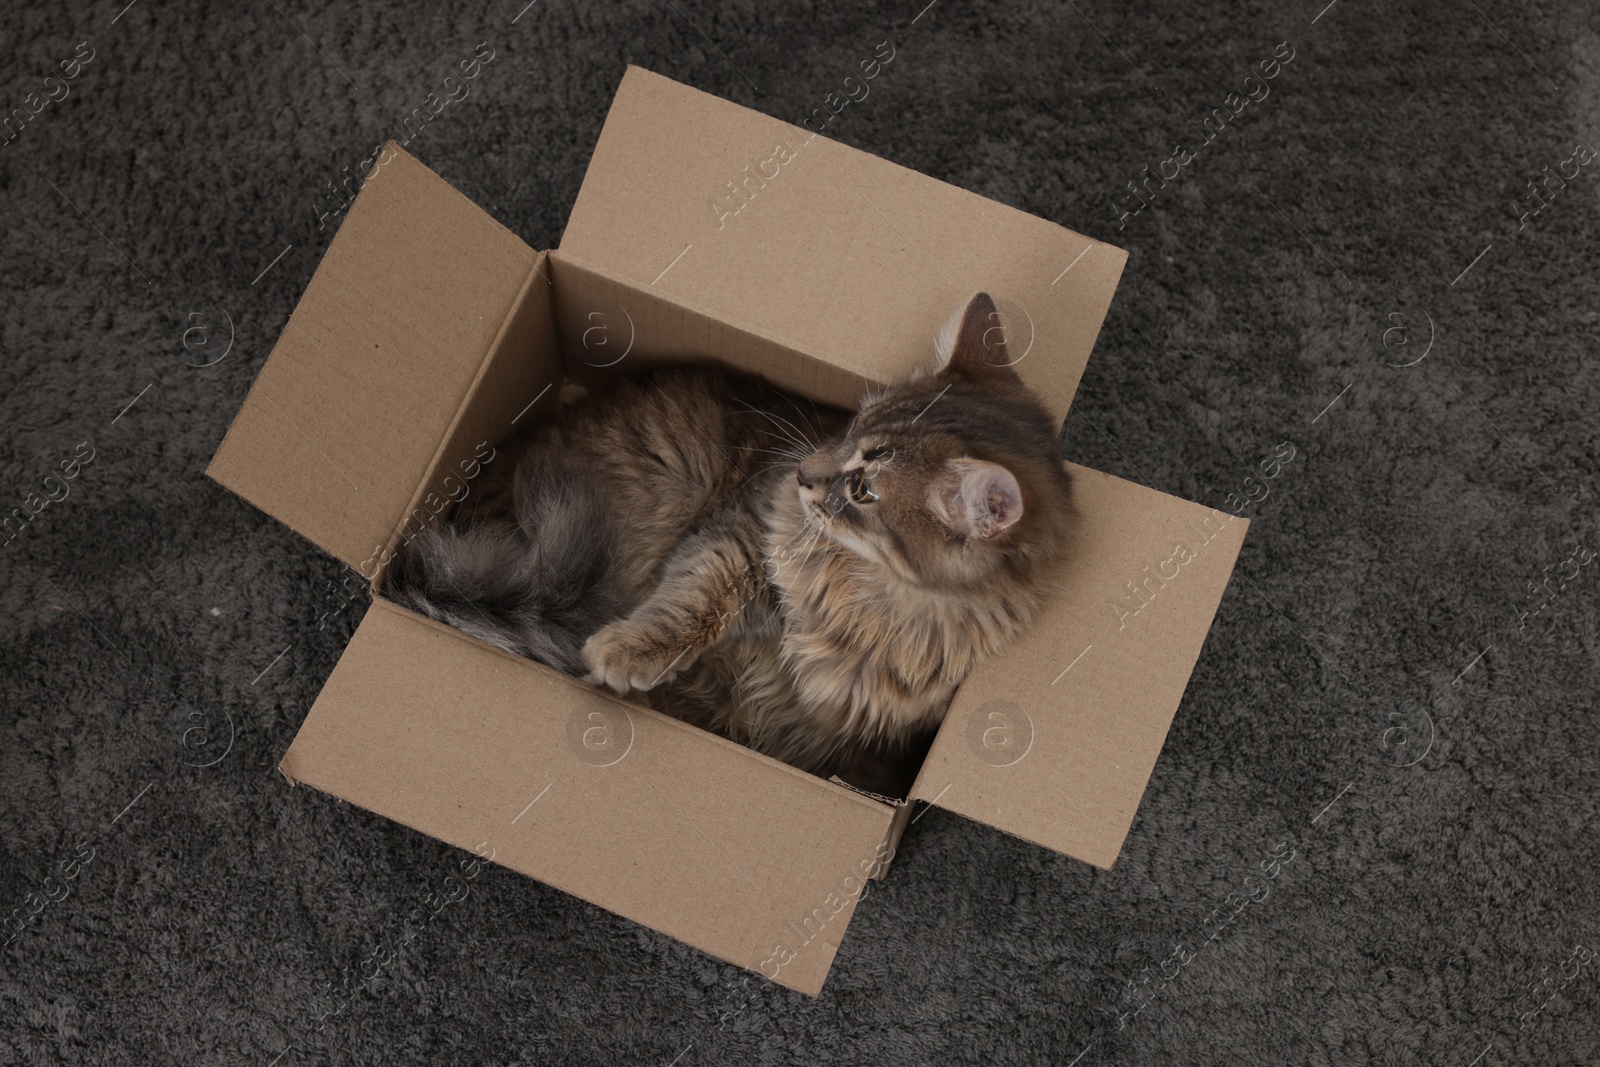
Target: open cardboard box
430	332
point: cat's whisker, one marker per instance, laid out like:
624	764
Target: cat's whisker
787	453
774	466
798	432
816	433
812	544
781	450
793	437
783	456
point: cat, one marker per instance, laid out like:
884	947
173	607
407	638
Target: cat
809	583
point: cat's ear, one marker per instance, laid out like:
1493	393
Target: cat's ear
977	499
971	342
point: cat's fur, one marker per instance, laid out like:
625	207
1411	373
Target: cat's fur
807	583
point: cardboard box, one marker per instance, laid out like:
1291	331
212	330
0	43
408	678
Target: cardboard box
430	332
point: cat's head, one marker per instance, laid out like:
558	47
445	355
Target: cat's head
952	478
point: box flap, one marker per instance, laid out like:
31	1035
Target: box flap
665	824
345	418
822	248
1055	741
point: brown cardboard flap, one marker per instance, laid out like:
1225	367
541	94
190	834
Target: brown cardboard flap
346	416
1055	741
831	252
660	822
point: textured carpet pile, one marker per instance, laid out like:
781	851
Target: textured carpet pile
1370	838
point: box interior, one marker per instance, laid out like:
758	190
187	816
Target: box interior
570	324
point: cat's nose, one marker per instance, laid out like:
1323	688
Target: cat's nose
800	476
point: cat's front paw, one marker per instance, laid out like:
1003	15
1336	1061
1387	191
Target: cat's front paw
624	657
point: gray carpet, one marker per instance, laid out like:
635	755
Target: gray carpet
1372	707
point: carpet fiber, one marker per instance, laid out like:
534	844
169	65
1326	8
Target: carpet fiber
1371	835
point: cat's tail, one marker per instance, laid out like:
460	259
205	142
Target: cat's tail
537	588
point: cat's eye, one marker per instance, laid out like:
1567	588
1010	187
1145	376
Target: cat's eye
876	453
859	491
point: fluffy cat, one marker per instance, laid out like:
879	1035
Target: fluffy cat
812	584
